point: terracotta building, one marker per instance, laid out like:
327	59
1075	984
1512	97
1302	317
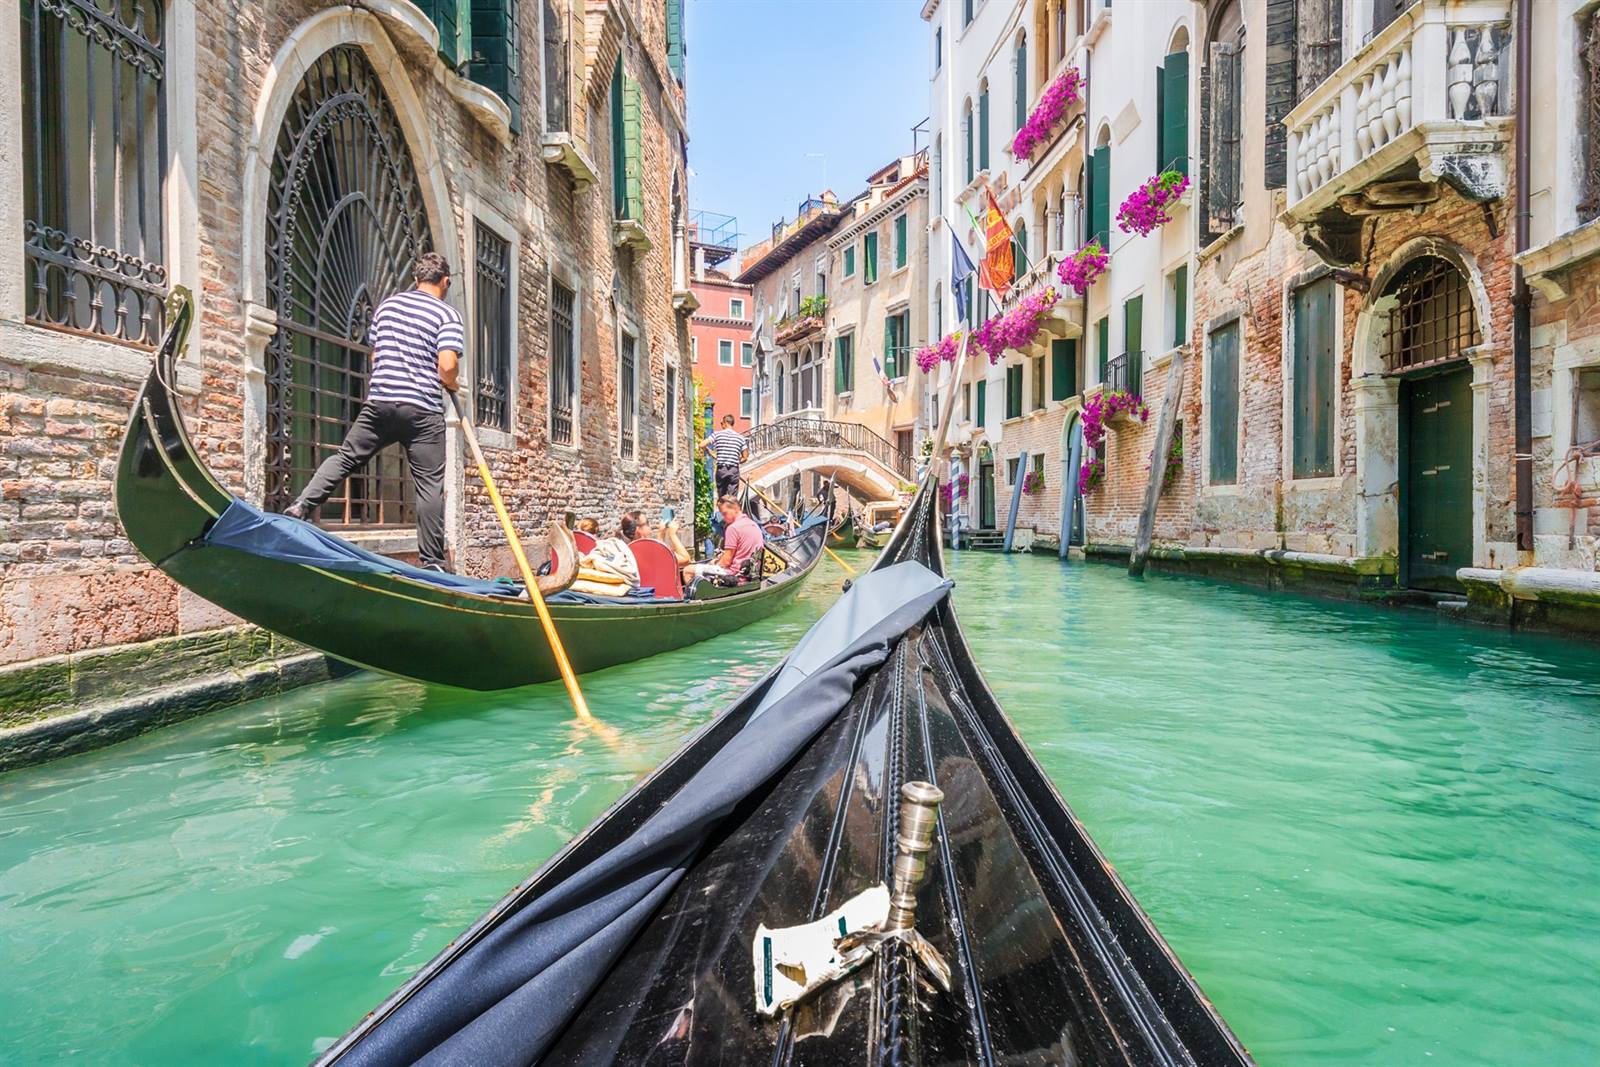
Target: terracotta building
286	162
719	332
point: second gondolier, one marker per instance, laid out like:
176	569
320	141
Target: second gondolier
728	449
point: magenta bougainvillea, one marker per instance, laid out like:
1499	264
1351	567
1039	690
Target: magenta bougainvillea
1081	269
1097	415
950	492
1033	483
1015	328
1090	475
1146	208
1062	94
942	351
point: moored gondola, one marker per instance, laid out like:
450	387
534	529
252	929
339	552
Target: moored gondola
669	931
307	585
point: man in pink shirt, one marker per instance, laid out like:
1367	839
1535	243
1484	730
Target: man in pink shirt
741	539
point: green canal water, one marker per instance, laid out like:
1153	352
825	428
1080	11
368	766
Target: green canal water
1373	837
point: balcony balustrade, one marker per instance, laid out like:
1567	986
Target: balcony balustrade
1426	99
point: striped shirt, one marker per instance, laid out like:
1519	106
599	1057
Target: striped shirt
408	332
727	446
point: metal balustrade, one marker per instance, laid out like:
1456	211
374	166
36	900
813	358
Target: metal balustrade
826	434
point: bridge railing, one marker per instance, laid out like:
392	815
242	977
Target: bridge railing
827	434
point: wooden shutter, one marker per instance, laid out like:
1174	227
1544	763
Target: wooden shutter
1100	196
1280	86
983	401
1063	368
1319	43
966	130
1222	151
849	261
1314	310
900	241
495	57
632	135
1174	132
1180	305
557	74
869	258
983	130
444	15
619	180
675	47
1022	83
1133	339
1222	397
1039	372
839	382
888	346
1103	340
1013	391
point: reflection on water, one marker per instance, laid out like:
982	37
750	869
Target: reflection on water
1374	838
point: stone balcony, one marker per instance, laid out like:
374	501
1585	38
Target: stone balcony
1426	99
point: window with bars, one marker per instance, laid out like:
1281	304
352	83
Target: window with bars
628	395
94	142
1433	319
563	364
491	300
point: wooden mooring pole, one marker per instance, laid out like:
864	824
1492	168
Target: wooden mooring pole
1158	466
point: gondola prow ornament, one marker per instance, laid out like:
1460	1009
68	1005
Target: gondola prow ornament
792	963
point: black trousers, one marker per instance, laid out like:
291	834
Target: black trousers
421	433
727	479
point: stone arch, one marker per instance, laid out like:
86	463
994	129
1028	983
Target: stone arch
1369	323
1178	39
850	472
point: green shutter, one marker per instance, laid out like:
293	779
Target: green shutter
1222	396
1313	379
1022	83
1161	118
900	234
675	47
983	130
889	324
983	401
495	60
619	179
1173	133
869	258
1100	196
633	157
971	172
849	261
839	383
1102	331
1063	368
1133	340
1013	391
446	16
1180	305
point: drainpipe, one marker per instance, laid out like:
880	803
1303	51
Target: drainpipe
1522	298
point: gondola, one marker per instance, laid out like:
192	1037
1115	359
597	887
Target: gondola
305	584
649	939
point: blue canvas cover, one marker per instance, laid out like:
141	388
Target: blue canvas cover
507	996
245	528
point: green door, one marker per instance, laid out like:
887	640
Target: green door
986	494
1436	484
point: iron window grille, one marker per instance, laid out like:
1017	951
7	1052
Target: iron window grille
94	137
492	310
563	363
1433	319
627	402
345	224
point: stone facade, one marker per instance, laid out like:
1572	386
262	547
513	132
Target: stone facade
69	581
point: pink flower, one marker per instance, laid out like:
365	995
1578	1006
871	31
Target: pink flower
1103	407
1090	475
1015	329
943	351
1053	104
1146	208
1081	269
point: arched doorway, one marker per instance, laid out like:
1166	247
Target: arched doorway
345	222
1073	456
1429	326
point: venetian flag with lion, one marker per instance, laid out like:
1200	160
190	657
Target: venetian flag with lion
999	261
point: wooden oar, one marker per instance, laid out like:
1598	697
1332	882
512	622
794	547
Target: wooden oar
771	503
565	665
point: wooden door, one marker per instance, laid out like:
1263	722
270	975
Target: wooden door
986	495
1436	479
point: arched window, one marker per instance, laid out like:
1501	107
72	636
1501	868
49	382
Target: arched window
1222	107
1433	319
1172	106
779	375
1022	78
968	135
983	124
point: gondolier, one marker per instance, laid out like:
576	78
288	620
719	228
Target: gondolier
416	341
728	449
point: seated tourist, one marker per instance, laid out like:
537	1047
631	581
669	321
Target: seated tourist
590	526
610	569
740	541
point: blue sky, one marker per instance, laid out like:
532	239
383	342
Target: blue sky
776	84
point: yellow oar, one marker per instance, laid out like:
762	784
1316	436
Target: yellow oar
528	579
771	503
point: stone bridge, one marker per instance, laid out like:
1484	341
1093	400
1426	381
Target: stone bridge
850	453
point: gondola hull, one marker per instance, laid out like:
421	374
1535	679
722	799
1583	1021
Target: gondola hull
1051	961
167	500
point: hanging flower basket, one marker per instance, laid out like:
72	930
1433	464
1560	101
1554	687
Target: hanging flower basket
1114	410
1148	207
1083	268
1090	475
1017	328
950	492
1053	105
942	351
1033	483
